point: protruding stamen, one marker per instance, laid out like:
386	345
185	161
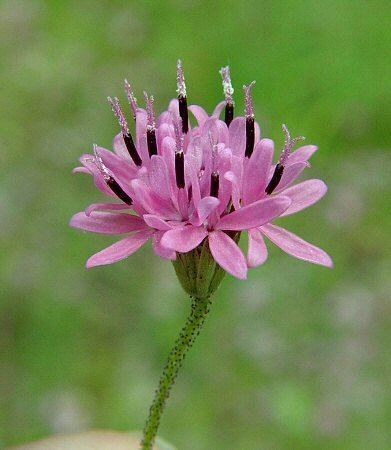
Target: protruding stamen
109	179
149	101
214	184
180	169
119	114
279	170
248	100
249	109
100	165
180	79
131	98
289	144
227	84
182	97
228	93
151	130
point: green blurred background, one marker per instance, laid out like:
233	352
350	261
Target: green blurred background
297	357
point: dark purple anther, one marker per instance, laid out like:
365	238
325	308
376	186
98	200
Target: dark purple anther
118	191
228	93
276	178
182	97
180	169
249	109
109	179
214	184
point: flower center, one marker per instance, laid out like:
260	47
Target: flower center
214	184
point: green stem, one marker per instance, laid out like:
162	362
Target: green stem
185	340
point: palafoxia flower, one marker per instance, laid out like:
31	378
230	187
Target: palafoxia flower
194	189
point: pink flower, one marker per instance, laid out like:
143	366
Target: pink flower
197	187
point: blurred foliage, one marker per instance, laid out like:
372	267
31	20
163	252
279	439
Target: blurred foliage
295	357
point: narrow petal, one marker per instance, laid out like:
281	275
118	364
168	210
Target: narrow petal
257	251
255	214
152	202
107	223
122	170
256	172
119	147
227	254
158	177
88	162
203	210
237	136
106	207
302	154
304	195
295	246
219	107
156	222
159	249
120	250
184	239
199	113
216	130
81	170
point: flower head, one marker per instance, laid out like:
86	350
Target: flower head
194	190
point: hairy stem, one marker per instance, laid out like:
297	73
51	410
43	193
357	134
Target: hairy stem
185	340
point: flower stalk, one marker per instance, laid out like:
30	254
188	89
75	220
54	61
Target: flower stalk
187	336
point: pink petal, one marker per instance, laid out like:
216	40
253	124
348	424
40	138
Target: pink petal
290	174
81	170
106	207
88	162
195	186
295	246
120	250
255	214
158	177
217	111
257	132
165	118
199	113
257	251
156	222
152	203
158	248
257	170
216	130
227	254
203	210
119	147
184	239
237	136
107	223
304	195
173	107
302	154
141	138
123	171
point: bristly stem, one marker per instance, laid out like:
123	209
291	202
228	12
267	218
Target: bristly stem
185	340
